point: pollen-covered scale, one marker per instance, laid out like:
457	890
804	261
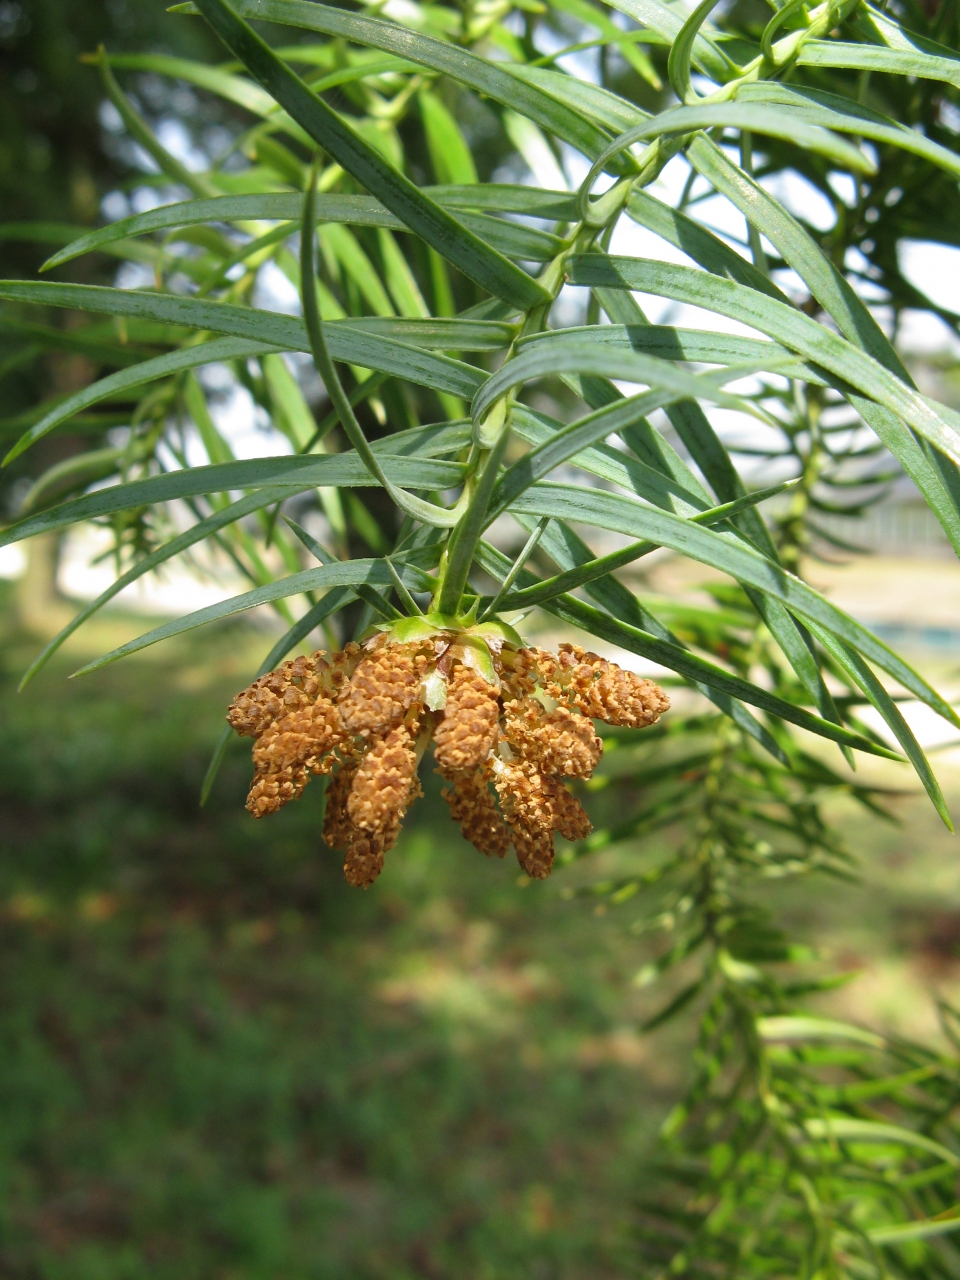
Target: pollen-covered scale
508	724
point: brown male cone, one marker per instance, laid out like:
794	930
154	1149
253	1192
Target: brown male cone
361	716
468	732
473	807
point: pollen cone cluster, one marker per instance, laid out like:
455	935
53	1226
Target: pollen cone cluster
508	726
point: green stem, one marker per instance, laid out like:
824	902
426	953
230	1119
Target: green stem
463	541
416	507
141	131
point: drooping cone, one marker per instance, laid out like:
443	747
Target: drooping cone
508	724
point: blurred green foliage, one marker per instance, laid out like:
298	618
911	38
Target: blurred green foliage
217	1060
52	166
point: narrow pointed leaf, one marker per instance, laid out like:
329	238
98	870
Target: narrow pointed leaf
352	210
924	1229
288	333
845	1129
541	359
348	573
567	443
768	120
829	111
667	22
344	470
190	537
699	243
930	419
220	349
839	300
615	465
866	57
622	514
416	210
480	74
877	696
676	658
669	343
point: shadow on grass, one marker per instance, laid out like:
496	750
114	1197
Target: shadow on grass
217	1060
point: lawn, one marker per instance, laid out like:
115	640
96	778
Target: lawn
219	1062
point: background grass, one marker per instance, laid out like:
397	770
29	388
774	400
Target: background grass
217	1060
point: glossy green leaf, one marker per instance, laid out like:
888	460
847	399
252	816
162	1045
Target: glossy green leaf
667	22
883	29
615	465
769	120
353	210
413	506
785	324
440	334
829	111
700	244
676	658
590	570
220	349
681	52
509	197
344	470
569	552
366	593
480	74
597	104
858	670
622	514
287	333
866	57
463	541
196	533
570	354
415	210
702	346
374	573
354	264
675	488
700	438
513	239
798	248
839	300
234	88
449	154
582	434
592	15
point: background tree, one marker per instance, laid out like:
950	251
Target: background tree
54	169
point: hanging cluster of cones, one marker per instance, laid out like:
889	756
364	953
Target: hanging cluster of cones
508	725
